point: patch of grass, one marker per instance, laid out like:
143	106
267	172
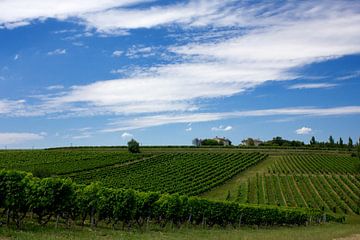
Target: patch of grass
318	232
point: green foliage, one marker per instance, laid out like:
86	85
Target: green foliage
14	187
350	143
45	163
133	146
184	173
312	141
336	189
279	141
341	142
313	164
211	142
42	172
21	193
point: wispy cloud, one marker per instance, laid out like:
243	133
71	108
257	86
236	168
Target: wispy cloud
222	128
57	52
268	42
158	120
14	13
312	85
303	131
189	129
15	137
55	87
117	53
16	57
275	45
352	75
126	135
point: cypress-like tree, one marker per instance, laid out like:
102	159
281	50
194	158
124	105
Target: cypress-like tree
312	140
341	142
350	143
331	141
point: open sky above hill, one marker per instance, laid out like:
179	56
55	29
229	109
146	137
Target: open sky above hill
164	72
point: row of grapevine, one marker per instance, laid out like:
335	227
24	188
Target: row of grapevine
54	198
184	173
314	164
339	193
63	162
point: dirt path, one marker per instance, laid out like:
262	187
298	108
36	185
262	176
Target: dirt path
352	237
220	192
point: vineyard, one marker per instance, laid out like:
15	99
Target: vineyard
64	162
22	194
328	183
314	164
163	185
184	173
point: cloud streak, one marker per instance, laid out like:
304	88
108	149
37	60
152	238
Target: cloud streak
15	138
159	120
312	85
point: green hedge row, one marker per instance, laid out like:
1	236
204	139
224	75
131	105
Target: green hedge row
49	198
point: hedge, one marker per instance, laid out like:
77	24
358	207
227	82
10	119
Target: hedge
48	198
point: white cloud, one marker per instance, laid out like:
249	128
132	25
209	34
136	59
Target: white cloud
55	87
57	52
15	138
126	135
12	25
312	85
303	131
117	53
16	57
298	35
19	12
81	136
140	51
222	128
270	45
183	14
158	120
352	75
189	129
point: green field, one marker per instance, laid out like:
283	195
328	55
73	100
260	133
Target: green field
325	180
329	183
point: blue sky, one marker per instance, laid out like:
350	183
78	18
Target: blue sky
164	72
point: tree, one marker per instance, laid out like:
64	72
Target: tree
331	141
133	146
250	142
210	142
341	142
196	142
312	141
350	143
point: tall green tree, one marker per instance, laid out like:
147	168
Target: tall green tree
350	143
341	142
331	141
312	140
